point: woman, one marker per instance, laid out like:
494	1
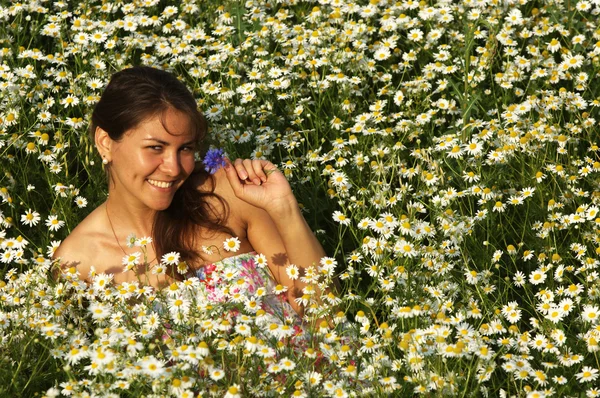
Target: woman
147	127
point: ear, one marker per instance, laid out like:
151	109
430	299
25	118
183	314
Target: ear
103	143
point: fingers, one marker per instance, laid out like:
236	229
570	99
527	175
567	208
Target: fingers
251	170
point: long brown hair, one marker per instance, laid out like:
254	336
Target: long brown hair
134	95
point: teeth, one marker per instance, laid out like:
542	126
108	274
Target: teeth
161	184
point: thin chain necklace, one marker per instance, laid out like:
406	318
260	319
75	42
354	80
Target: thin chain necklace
117	239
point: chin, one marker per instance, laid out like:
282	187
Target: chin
160	206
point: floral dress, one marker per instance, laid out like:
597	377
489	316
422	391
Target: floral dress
241	279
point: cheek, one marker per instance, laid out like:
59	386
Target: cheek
147	162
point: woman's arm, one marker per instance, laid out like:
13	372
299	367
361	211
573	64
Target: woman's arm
285	238
275	225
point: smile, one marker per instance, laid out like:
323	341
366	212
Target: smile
161	184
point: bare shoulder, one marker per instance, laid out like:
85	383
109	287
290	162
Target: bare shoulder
77	249
239	210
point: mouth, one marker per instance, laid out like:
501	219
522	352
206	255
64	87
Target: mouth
160	184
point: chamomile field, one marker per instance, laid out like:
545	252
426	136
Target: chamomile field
444	152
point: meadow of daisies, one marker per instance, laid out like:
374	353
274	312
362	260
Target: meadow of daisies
444	152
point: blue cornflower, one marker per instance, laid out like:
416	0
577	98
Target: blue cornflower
214	160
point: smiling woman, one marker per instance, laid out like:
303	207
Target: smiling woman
147	128
153	162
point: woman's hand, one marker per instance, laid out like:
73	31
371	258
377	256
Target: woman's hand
259	183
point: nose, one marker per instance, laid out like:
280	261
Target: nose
171	164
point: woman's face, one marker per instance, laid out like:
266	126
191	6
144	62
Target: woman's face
152	160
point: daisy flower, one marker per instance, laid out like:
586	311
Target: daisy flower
553	46
341	218
101	281
590	313
313	378
141	242
7	256
159	270
232	244
171	258
131	260
130	240
30	218
561	380
53	223
182	268
527	192
261	260
499	207
81	202
69	100
50	250
177	304
287	364
233	392
587	374
292	271
152	366
537	277
216	374
99	310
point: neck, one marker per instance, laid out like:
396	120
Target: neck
127	219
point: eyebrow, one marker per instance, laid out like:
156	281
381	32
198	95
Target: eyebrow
191	142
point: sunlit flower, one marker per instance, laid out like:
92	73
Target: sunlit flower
590	313
341	218
152	366
292	271
537	277
232	244
587	374
171	258
233	392
53	223
99	311
30	218
81	202
142	242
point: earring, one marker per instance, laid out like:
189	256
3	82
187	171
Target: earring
104	161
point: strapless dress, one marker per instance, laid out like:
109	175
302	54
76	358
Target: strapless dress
241	279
